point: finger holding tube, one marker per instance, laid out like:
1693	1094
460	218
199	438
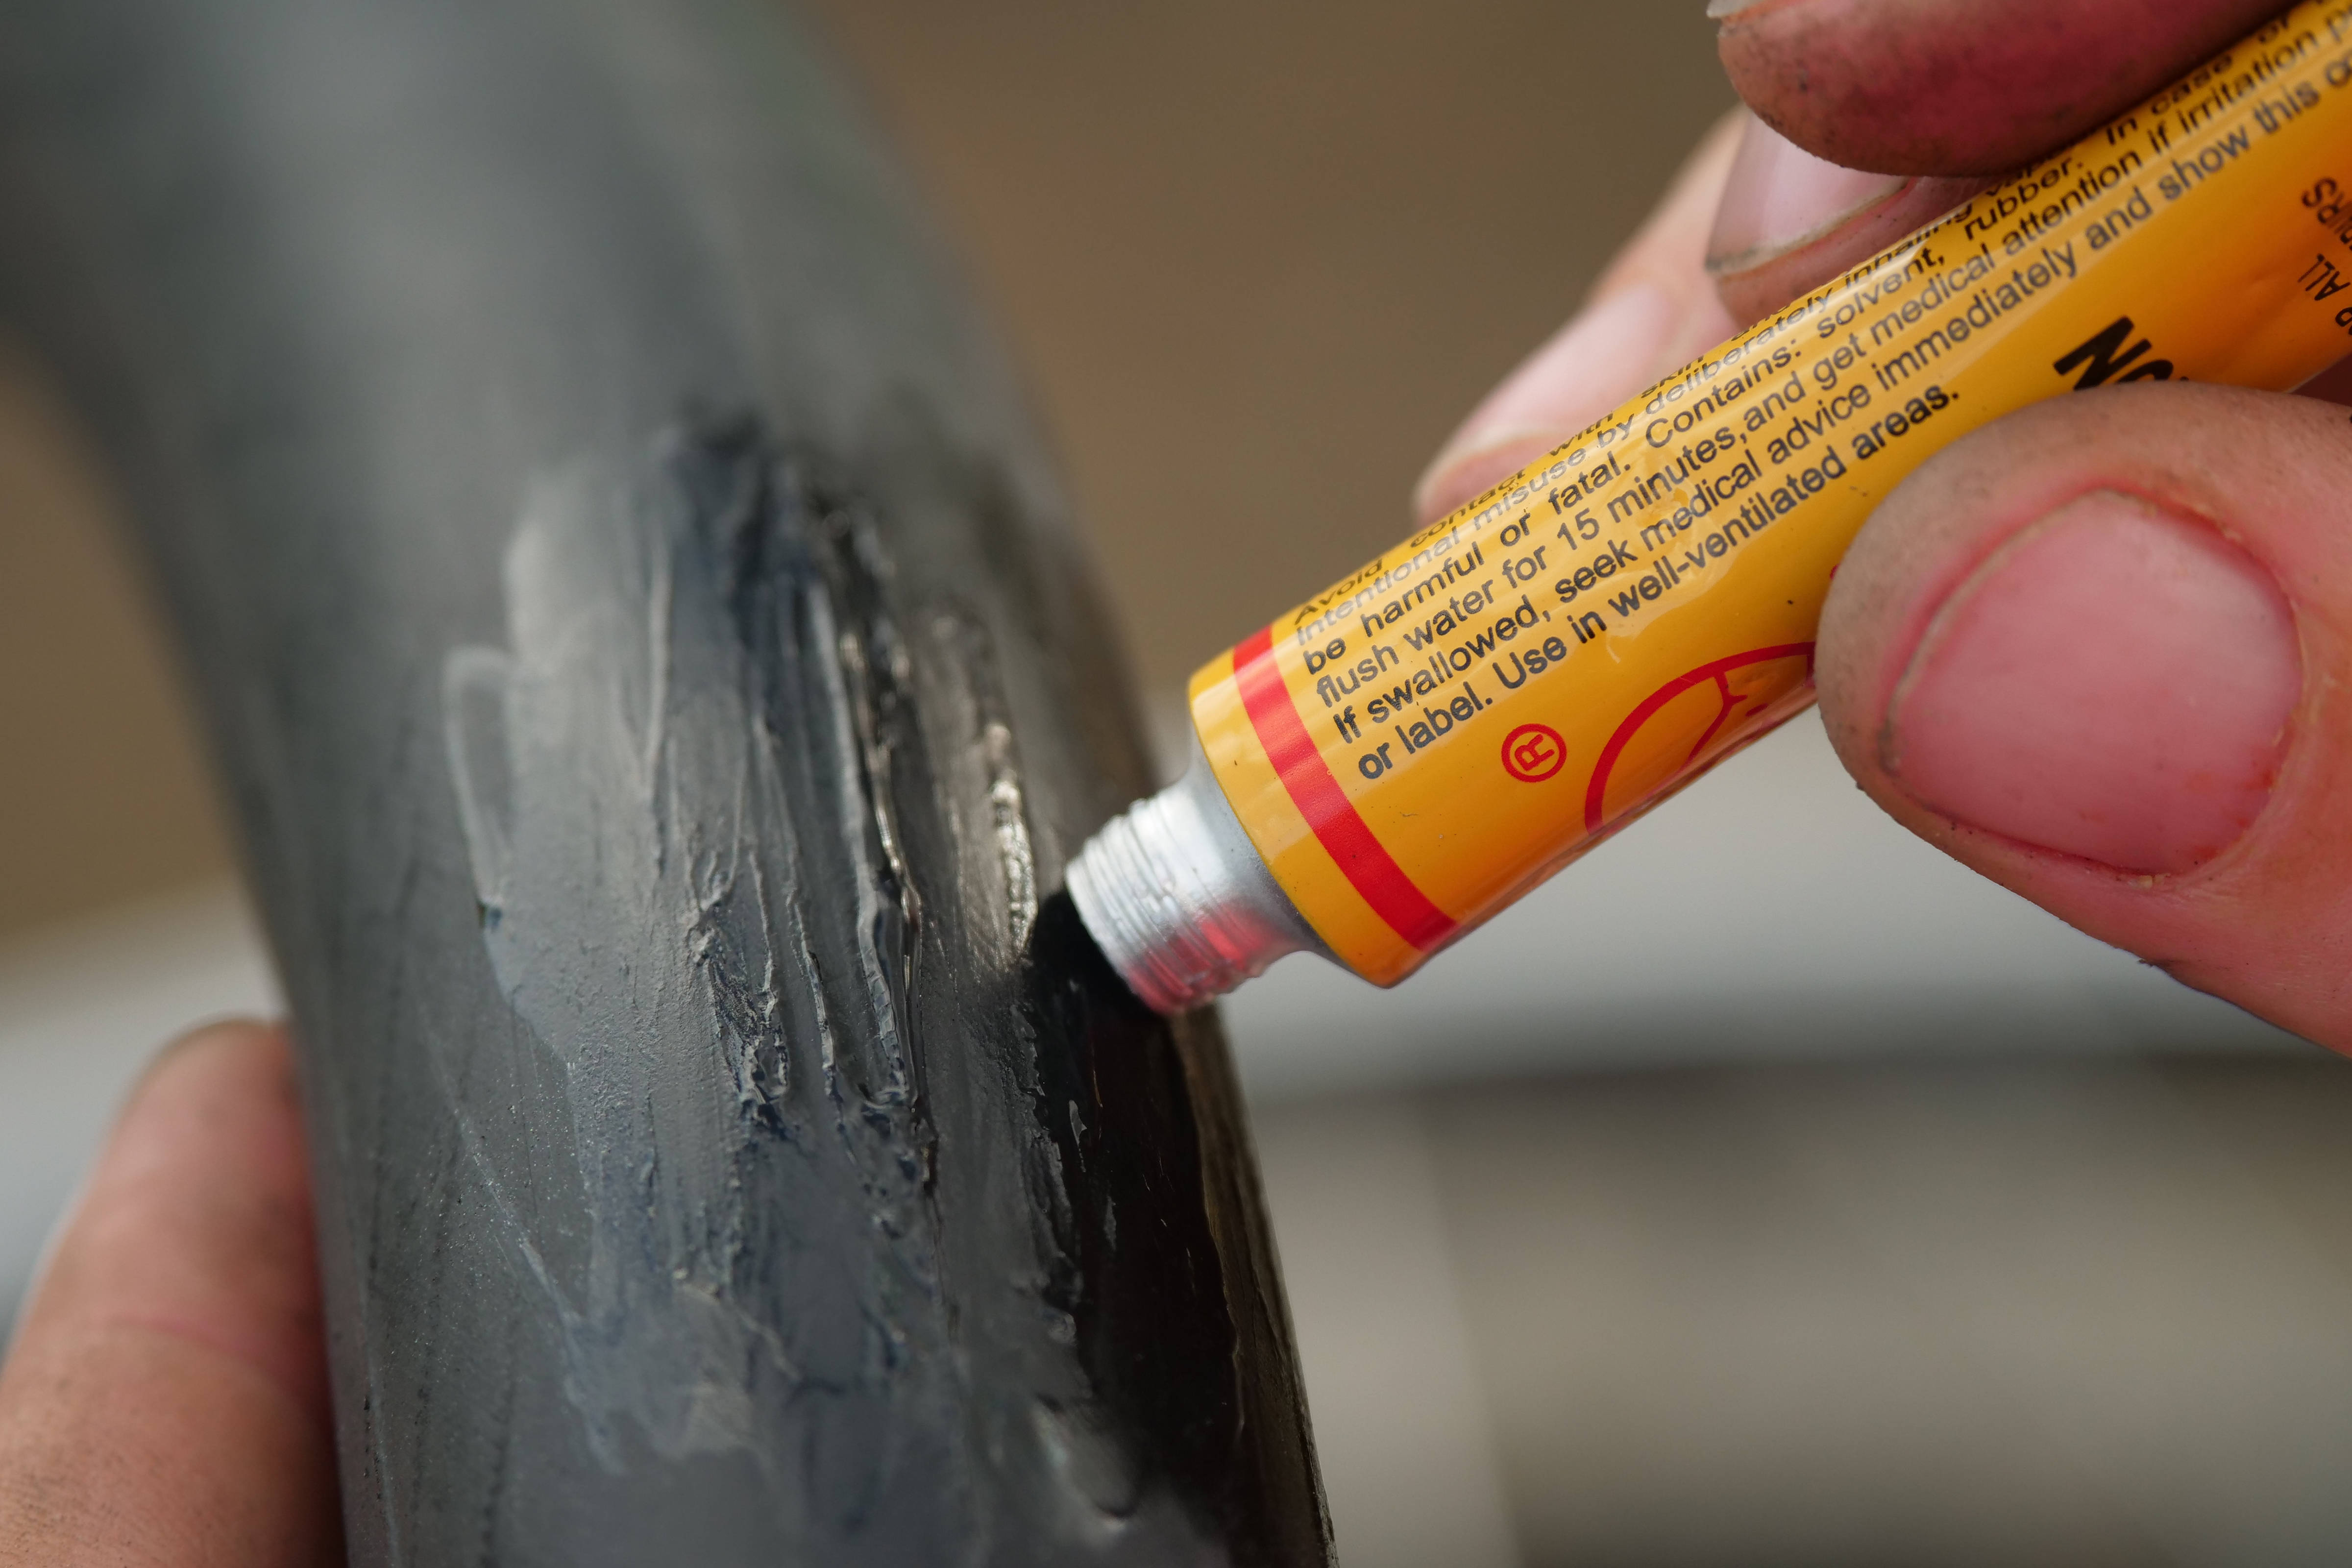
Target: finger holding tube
1691	534
2099	651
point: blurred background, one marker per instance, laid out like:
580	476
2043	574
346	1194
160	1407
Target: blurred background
1764	1191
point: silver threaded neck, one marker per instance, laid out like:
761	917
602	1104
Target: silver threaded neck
1175	894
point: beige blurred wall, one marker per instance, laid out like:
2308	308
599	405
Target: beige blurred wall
1255	258
102	798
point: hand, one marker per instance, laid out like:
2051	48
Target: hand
165	1401
2098	650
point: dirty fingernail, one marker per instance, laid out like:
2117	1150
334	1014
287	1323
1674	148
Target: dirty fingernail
2115	683
1779	196
1589	367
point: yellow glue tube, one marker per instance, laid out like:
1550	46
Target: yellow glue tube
1390	763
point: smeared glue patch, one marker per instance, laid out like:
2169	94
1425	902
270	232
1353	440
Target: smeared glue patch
633	828
691	784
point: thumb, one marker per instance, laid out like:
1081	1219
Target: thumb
165	1400
2099	651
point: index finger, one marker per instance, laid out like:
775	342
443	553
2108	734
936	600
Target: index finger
1961	86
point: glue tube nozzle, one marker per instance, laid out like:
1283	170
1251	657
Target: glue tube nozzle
1177	897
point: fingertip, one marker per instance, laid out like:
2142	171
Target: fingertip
238	1055
165	1400
2094	651
2114	684
1961	86
1790	222
197	1213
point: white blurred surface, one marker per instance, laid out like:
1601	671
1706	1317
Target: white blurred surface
1770	912
2042	1314
1402	1425
82	1008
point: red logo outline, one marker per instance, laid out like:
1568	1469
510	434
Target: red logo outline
1596	793
1539	771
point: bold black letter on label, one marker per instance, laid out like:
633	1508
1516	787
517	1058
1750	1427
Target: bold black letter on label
2104	361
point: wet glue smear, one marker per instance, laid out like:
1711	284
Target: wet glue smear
1388	764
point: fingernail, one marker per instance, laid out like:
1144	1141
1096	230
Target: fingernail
1721	8
2115	683
1779	196
1589	367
